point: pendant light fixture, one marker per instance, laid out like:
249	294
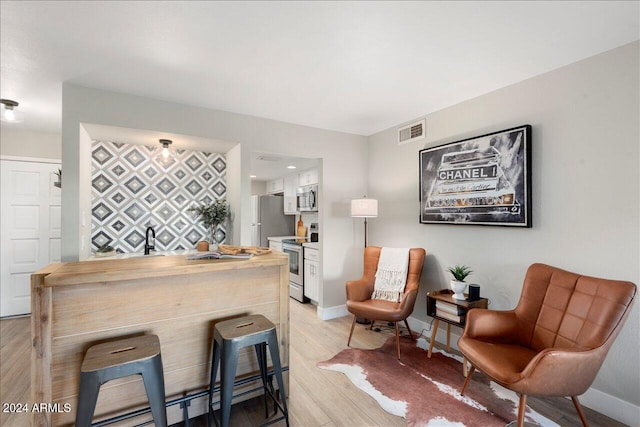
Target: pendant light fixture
9	113
165	155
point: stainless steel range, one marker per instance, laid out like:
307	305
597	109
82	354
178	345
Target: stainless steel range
293	247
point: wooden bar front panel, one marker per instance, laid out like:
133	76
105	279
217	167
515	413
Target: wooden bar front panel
180	308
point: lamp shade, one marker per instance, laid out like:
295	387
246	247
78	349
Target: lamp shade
364	208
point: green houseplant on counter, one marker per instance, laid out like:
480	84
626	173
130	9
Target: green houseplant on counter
458	285
212	215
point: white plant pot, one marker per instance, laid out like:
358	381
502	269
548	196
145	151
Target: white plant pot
105	254
458	289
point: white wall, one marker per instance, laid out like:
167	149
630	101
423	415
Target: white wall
344	164
258	188
84	193
23	143
585	120
234	192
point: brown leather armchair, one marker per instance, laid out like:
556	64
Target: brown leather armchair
359	301
554	342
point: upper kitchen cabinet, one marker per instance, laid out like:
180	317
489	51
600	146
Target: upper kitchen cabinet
290	188
308	177
275	186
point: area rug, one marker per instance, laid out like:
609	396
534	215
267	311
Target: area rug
426	392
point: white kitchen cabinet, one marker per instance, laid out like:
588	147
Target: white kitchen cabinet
311	274
290	200
308	177
275	186
290	205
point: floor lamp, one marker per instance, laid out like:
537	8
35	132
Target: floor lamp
364	208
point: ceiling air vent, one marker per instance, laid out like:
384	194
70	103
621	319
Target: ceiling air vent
412	132
269	158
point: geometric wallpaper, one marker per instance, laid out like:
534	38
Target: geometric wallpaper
131	190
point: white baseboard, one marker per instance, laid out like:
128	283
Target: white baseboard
611	406
606	404
332	312
424	328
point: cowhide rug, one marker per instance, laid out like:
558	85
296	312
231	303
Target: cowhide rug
426	392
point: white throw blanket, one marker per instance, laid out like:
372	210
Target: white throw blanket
391	276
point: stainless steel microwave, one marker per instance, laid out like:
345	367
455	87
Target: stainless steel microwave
307	198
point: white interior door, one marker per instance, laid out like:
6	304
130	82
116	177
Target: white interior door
30	224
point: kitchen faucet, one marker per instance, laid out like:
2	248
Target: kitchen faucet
147	245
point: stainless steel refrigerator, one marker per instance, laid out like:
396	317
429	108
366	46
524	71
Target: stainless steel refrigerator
268	219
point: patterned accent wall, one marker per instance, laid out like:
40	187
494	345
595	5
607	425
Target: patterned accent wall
132	190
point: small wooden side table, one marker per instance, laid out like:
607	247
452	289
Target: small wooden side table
463	306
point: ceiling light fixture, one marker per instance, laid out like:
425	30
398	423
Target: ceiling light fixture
9	114
291	167
165	155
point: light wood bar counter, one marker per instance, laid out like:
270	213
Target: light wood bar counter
76	305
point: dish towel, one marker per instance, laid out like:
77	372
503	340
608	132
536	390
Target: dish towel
391	276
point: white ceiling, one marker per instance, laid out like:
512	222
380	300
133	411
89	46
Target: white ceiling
265	166
357	67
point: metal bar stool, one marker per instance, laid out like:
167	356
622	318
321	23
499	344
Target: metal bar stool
228	338
117	359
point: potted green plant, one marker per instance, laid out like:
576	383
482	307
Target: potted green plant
58	183
212	215
105	250
458	285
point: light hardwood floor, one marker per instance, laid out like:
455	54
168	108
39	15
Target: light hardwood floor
317	397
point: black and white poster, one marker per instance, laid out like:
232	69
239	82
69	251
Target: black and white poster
483	180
